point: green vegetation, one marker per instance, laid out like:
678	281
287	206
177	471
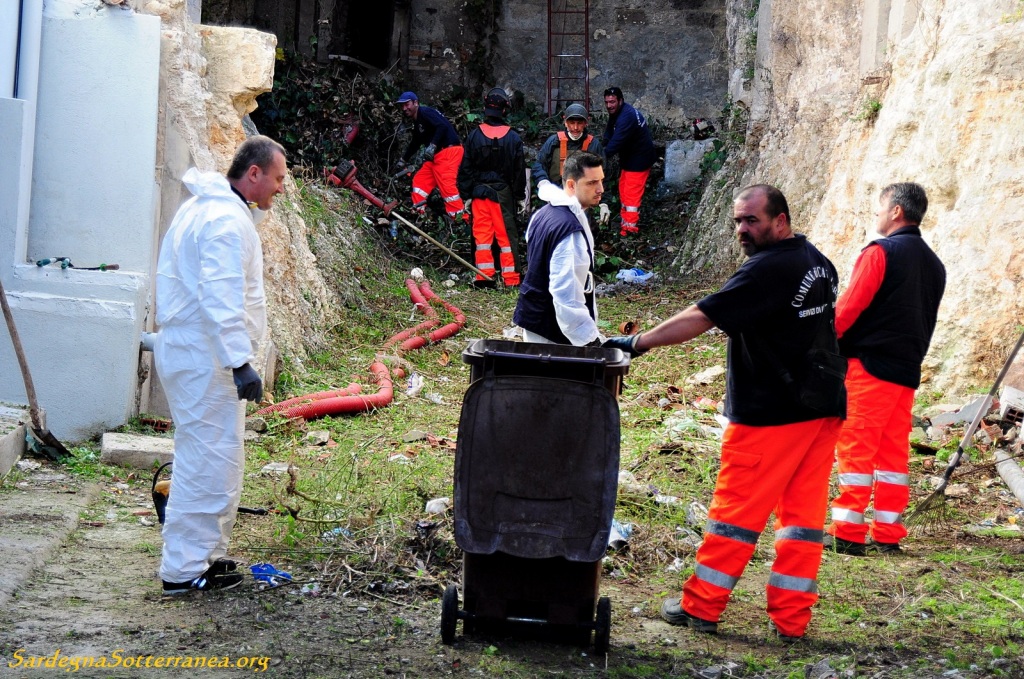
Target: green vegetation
869	111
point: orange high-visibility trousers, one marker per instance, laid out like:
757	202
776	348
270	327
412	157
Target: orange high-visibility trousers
631	192
873	453
440	173
488	226
785	469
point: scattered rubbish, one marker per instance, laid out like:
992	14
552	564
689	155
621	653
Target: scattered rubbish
690	538
717	671
310	589
156	424
512	333
415	385
144	521
448	283
335	533
618	537
664	403
438	505
666	499
425	529
434	398
416	274
414	435
629	327
676	565
958	490
27	465
722	420
265	572
697	515
634	275
629	484
276	467
705	403
400	458
821	670
965	414
706	376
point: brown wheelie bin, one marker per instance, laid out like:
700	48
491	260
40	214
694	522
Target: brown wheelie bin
536	470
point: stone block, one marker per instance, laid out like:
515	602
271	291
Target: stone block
682	161
134	450
12	436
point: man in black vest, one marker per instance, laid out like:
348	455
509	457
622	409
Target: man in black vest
884	321
556	299
564	143
493	175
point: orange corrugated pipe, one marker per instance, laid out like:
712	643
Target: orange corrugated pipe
349	400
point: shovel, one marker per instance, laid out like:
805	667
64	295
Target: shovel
47	442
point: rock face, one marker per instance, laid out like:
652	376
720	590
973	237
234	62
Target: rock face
210	79
857	98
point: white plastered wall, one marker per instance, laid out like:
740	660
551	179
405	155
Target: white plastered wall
91	198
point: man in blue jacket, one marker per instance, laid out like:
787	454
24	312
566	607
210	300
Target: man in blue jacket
628	136
436	143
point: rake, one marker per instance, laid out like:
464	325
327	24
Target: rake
935	502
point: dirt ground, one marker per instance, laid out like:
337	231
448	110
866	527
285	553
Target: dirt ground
98	596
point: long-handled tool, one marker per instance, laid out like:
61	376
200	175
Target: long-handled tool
344	176
935	501
48	443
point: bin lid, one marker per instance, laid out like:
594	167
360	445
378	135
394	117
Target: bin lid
478	350
536	468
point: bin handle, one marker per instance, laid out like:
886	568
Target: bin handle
561	359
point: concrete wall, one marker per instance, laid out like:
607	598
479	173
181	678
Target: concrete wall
93	200
668	56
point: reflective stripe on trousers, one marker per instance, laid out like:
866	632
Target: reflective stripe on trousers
631	193
784	469
439	173
873	452
489	226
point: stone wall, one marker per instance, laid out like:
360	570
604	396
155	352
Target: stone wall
668	56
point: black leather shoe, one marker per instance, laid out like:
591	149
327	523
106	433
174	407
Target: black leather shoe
672	612
890	548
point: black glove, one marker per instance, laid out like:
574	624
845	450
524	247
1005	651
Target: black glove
248	383
627	344
428	153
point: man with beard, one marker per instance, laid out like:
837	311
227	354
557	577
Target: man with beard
778	310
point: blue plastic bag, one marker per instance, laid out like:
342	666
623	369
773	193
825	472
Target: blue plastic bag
265	572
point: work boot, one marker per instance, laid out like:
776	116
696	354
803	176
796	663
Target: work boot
484	284
672	613
889	548
773	631
841	546
206	582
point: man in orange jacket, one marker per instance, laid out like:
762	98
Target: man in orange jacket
777	451
885	321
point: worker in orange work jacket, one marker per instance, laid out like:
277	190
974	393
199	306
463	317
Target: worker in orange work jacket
436	147
785	402
562	144
493	174
885	321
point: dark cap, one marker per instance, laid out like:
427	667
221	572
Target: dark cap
407	96
576	111
496	103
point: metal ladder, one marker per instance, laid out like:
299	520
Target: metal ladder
568	54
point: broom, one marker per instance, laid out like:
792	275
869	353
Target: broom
936	501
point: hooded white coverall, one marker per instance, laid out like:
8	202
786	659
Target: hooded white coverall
212	315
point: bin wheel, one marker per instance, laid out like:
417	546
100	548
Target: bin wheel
603	625
449	614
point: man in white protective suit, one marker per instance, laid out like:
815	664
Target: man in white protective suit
212	315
